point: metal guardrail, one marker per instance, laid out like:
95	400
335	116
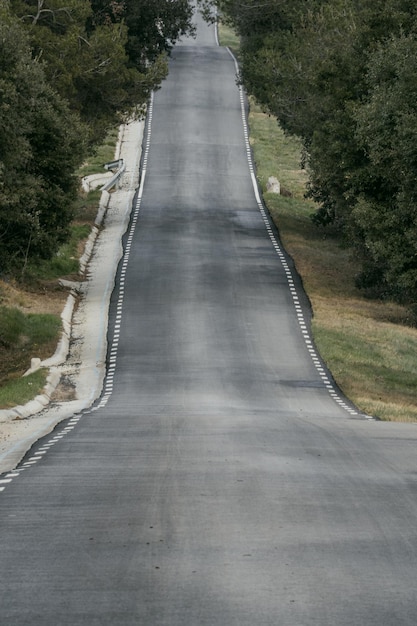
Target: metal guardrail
120	167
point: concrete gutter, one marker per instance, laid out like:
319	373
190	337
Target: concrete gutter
80	357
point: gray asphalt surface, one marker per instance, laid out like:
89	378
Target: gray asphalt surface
217	482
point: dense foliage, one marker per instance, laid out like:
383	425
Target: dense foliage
69	69
40	146
342	75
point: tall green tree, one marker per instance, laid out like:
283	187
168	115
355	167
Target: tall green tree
68	70
154	26
105	56
340	75
385	212
41	144
87	67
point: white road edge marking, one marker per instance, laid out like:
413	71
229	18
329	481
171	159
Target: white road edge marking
333	392
109	381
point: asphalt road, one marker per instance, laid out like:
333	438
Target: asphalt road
221	479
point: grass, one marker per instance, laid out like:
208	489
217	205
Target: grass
229	39
103	154
85	209
367	344
65	262
23	389
23	336
17	328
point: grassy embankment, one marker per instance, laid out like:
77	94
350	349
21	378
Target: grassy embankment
30	322
367	345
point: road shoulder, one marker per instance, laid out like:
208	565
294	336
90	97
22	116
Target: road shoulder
84	365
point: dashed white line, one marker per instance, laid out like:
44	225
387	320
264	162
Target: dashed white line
277	248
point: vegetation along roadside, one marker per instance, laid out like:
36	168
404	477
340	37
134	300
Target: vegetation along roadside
67	76
30	308
367	344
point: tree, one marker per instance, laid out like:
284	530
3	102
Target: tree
154	26
40	146
340	75
69	69
104	57
385	214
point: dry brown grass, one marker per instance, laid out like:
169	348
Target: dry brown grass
42	300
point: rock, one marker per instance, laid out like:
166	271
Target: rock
35	364
273	185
